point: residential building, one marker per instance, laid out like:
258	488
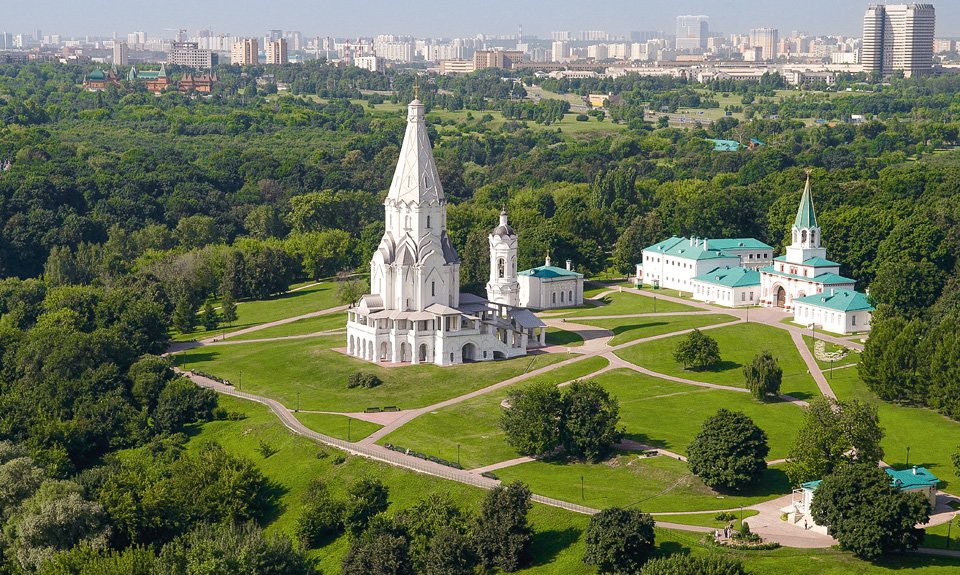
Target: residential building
98	80
246	52
121	54
415	312
154	81
371	63
692	32
549	287
277	51
505	59
728	286
201	84
448	67
558	51
840	311
190	55
767	39
898	37
674	262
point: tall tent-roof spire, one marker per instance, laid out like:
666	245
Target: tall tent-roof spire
416	179
806	214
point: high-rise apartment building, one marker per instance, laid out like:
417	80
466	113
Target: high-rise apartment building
246	52
898	37
277	51
190	55
121	53
559	51
505	59
767	40
692	32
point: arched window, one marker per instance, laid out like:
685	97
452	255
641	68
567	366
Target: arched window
433	288
428	221
554	298
561	297
501	267
803	236
813	237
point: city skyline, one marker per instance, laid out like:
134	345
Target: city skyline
433	18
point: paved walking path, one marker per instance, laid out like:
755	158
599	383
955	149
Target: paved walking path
812	365
277	338
269	324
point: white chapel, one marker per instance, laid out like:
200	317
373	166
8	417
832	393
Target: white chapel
415	312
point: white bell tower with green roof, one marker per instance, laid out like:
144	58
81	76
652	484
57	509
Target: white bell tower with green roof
805	232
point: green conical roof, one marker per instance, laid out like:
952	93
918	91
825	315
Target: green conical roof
806	215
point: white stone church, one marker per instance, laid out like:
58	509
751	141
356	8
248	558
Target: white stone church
415	312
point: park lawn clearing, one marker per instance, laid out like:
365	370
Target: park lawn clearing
627	329
311	368
705	519
339	426
290	304
739	344
626	303
310	325
557	336
653	484
669	415
474	424
852	357
932	438
297	461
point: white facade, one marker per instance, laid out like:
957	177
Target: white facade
415	312
673	263
837	311
898	37
729	287
549	287
503	286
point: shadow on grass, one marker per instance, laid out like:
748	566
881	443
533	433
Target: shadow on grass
628	328
192	357
563	337
550	543
773	483
646	440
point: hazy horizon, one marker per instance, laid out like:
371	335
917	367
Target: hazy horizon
434	18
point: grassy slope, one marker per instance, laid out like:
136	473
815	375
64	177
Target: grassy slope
556	336
738	346
474	424
339	426
291	304
667	414
633	328
281	369
629	303
852	356
326	322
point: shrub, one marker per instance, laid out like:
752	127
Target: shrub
582	118
697	351
362	379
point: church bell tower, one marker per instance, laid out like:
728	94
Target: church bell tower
503	286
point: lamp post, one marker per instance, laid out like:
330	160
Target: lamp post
348	428
908	456
240	383
654	304
581	487
298	402
458	454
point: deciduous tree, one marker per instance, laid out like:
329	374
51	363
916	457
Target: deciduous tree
729	452
619	540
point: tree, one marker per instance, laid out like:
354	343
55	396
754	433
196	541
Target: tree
150	374
350	290
501	533
589	421
764	375
383	549
184	315
366	498
210	319
693	565
232	548
182	402
834	433
729	452
867	514
228	308
439	542
532	422
619	540
698	351
321	517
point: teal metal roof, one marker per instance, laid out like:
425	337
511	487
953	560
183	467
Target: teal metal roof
828	278
725	145
739	243
728	276
806	215
549	272
839	300
681	248
811	485
912	478
820	263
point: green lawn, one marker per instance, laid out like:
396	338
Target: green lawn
474	424
739	344
653	484
851	358
705	519
310	367
556	336
936	537
931	437
669	415
339	426
623	303
326	322
632	328
291	304
558	542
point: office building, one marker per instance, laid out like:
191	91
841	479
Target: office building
898	37
692	32
277	51
121	54
766	39
190	55
246	52
505	59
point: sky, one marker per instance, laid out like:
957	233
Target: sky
437	18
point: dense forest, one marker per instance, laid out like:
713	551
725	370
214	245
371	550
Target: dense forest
123	212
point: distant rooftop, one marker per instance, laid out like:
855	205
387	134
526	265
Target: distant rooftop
838	300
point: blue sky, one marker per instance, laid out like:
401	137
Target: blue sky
438	18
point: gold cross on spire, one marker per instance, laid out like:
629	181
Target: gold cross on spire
416	87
